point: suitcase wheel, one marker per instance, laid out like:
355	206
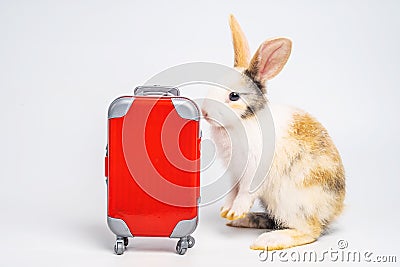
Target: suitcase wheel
126	241
184	243
182	246
120	245
190	240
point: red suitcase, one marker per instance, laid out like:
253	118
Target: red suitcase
153	166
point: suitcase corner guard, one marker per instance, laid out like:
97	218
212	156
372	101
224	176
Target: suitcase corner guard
118	227
184	228
186	108
119	107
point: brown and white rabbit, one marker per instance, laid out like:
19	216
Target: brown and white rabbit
304	189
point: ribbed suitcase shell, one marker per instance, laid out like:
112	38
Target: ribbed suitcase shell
153	166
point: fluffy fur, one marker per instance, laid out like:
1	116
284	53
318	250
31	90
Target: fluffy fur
305	188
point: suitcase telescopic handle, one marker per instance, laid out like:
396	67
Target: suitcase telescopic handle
156	90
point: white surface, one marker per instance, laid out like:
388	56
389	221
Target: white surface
63	62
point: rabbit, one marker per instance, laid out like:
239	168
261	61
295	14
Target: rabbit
304	189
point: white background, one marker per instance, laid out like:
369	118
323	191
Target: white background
63	62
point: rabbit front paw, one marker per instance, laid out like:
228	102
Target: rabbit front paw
240	208
224	211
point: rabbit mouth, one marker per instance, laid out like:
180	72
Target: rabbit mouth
211	121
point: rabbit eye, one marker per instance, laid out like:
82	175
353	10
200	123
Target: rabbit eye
234	96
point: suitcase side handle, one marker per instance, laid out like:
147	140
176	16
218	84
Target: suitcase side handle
156	90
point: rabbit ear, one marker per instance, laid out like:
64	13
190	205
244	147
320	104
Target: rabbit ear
240	45
269	59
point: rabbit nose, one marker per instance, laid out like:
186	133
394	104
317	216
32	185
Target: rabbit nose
205	113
